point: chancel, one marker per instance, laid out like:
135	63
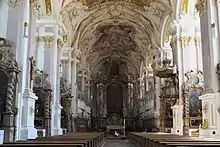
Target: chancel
109	73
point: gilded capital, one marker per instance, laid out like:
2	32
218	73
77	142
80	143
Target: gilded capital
201	6
59	43
48	41
38	39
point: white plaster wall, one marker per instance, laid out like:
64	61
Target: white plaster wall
191	51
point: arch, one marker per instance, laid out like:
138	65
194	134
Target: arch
163	29
178	9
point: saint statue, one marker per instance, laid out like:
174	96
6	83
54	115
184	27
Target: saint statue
32	66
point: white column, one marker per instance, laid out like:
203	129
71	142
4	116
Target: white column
74	94
39	53
140	84
56	107
179	104
3	18
48	42
69	72
27	130
210	52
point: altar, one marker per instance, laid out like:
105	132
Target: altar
115	124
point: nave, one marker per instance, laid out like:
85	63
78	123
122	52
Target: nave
71	67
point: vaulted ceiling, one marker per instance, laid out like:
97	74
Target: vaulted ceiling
128	28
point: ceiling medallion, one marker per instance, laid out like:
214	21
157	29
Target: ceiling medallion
14	3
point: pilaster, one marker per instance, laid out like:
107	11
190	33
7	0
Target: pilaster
74	91
28	131
210	50
209	113
177	122
27	102
178	45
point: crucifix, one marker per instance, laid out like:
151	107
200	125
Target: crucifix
31	70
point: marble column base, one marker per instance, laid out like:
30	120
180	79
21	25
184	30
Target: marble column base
28	130
207	133
209	113
177	120
28	133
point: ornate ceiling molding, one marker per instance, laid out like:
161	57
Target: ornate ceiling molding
99	29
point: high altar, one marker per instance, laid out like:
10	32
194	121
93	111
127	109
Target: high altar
114	95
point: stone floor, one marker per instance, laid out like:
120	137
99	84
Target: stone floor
117	143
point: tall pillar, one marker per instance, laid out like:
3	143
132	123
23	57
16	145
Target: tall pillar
39	53
68	71
28	130
210	53
157	99
178	45
55	83
74	93
141	87
3	18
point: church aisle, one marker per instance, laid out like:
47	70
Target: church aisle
117	143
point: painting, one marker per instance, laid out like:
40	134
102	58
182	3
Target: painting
195	105
48	7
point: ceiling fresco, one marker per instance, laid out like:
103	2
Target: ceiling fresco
128	28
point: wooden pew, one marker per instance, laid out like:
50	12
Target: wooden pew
168	140
70	139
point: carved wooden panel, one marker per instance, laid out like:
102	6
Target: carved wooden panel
3	92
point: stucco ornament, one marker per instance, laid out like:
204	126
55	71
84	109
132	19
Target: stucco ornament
193	79
14	3
201	6
103	28
35	7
